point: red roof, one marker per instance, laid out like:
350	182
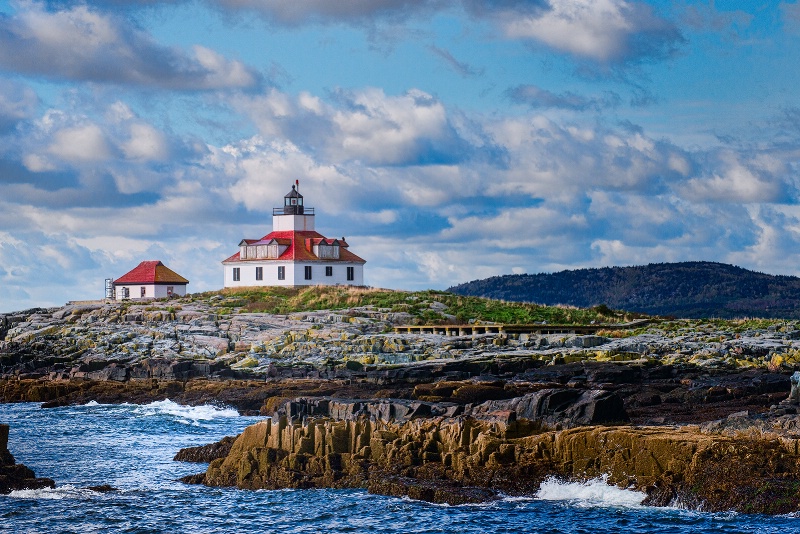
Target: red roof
300	247
151	272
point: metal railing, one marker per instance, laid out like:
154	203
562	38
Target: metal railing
279	211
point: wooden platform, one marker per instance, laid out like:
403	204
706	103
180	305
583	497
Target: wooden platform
477	329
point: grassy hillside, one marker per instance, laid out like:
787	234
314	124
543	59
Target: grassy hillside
691	290
427	307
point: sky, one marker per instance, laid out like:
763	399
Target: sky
447	140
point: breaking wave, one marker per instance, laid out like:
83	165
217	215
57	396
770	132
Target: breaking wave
592	493
59	493
186	414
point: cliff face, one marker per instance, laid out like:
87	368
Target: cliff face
458	459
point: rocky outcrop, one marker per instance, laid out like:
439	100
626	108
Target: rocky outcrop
14	476
651	393
561	407
204	337
462	459
206	453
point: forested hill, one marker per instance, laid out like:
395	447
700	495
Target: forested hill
690	289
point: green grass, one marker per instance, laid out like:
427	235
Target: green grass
421	305
715	326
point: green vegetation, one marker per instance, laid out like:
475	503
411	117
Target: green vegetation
427	307
688	290
712	327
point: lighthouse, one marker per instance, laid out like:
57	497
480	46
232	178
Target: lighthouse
294	254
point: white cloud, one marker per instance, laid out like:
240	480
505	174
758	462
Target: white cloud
607	31
734	177
366	126
85	143
262	173
145	143
17	102
388	130
78	43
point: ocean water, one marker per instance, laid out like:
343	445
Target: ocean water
131	447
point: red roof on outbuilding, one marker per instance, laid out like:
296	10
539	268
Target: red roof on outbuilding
151	272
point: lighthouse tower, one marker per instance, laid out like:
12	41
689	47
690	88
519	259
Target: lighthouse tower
293	216
294	253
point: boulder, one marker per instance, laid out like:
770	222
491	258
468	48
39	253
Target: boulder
14	476
206	453
564	407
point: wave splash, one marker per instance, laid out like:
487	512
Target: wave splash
61	492
594	492
186	414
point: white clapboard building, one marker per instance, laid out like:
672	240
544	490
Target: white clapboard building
149	279
293	254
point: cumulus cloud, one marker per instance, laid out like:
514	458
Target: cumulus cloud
262	172
411	128
563	194
367	126
120	140
17	102
39	257
607	31
85	143
145	143
80	44
729	176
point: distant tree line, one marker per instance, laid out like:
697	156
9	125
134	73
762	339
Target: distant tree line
687	290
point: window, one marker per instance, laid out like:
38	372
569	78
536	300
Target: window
126	292
308	272
259	273
281	273
328	271
236	275
351	273
143	291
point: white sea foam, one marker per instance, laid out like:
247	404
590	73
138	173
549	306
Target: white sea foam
92	403
594	492
61	492
187	414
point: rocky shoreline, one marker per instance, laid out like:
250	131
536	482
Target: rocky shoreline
406	449
666	409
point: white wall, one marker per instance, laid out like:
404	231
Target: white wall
295	274
151	290
297	223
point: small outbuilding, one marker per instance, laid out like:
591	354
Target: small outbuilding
150	279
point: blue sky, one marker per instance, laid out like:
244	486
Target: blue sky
448	140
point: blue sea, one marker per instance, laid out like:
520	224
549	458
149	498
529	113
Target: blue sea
131	447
